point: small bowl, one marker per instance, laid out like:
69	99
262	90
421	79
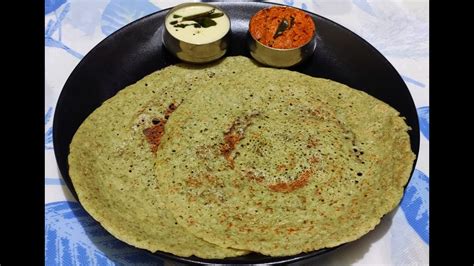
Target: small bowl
201	52
281	57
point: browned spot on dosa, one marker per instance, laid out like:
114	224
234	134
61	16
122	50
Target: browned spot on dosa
292	230
312	142
313	160
154	133
301	181
281	168
193	182
230	141
233	135
252	176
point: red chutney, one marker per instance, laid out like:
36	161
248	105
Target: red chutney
282	27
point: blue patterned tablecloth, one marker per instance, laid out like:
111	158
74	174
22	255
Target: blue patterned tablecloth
397	28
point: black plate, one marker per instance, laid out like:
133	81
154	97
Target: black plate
136	50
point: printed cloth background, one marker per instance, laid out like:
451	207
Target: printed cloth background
397	28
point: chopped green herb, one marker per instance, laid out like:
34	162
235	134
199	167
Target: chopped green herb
284	25
203	20
216	15
203	14
181	25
